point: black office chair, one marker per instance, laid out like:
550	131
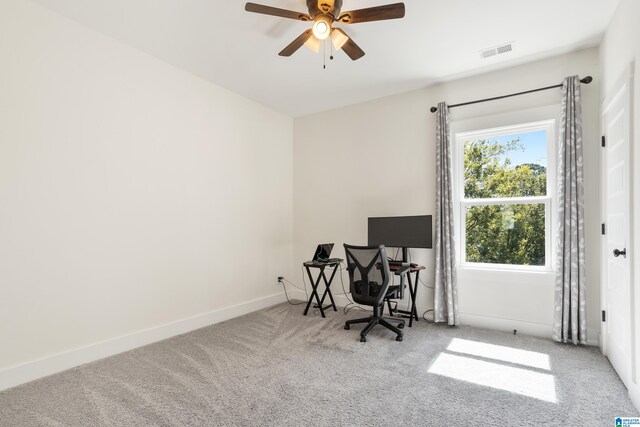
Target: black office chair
369	275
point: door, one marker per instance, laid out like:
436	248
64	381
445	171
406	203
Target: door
616	245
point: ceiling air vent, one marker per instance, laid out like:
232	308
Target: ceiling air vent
497	50
504	49
488	53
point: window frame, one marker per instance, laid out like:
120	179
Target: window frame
549	200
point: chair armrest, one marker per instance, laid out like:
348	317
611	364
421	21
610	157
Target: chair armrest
402	271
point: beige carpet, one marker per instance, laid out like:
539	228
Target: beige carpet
276	367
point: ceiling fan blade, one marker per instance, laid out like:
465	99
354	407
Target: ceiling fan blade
274	11
379	13
296	44
350	47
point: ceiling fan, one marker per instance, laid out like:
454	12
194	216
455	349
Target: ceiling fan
324	13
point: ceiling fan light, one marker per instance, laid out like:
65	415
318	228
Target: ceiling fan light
322	27
339	38
313	44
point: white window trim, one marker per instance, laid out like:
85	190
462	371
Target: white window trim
549	200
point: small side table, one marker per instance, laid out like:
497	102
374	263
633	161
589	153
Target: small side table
413	290
316	282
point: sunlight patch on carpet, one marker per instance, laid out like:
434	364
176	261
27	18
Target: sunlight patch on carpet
499	352
515	380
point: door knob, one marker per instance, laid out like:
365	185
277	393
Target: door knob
617	252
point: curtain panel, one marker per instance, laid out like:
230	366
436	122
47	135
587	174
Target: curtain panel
570	321
445	305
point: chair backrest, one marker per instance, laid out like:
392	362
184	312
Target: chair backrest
369	273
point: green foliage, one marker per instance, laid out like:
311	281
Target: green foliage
503	234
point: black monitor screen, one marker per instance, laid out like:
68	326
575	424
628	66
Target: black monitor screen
401	231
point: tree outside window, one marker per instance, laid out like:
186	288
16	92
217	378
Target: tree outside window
505	202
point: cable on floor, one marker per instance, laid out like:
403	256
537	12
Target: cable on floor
425	319
347	308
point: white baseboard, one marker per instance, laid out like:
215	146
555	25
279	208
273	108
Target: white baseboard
507	325
23	373
634	394
593	338
541	330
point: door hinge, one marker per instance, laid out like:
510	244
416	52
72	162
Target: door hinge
604	141
604	316
604	229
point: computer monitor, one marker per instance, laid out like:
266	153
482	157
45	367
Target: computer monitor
401	232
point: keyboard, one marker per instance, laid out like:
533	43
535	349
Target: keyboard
329	261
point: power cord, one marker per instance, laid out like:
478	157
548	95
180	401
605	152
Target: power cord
287	295
347	309
344	291
316	312
284	286
351	305
304	282
425	285
424	316
294	285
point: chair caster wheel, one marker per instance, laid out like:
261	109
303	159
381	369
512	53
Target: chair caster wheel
347	327
401	326
399	338
363	339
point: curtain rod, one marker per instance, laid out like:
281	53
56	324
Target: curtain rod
586	81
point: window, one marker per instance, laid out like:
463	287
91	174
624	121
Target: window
505	189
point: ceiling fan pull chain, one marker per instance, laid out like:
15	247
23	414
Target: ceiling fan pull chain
324	55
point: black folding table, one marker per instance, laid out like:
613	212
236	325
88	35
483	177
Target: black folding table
333	264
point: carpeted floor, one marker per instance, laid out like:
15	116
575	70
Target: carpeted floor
276	367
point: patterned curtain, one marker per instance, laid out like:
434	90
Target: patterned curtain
570	320
445	305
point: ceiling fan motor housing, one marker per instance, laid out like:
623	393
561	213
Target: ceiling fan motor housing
330	7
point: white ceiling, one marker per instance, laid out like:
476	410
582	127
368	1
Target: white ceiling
436	41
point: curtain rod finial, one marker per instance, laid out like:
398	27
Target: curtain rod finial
587	80
433	109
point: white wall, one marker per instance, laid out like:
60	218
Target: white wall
132	194
620	47
378	159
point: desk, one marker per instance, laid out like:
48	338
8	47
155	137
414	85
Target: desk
413	290
315	283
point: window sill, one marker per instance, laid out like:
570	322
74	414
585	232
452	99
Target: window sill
506	270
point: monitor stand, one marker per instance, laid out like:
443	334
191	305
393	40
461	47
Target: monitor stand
405	258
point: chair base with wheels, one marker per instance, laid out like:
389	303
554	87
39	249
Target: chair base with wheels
374	320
